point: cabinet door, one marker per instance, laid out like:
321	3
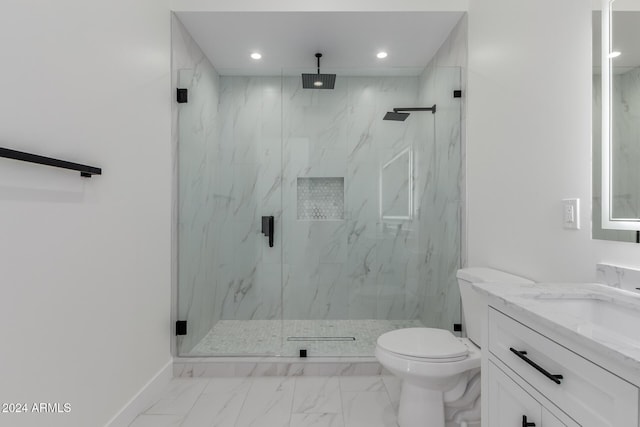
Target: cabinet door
588	393
508	403
549	420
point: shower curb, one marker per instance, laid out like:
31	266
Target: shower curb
184	367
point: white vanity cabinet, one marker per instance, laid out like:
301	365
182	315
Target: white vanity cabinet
531	375
511	406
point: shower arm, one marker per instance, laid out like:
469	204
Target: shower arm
432	109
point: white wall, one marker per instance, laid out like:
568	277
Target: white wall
85	262
529	139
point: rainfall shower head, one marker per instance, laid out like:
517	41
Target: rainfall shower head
318	81
397	116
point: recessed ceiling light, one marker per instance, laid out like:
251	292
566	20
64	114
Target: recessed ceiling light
256	55
614	54
317	83
381	55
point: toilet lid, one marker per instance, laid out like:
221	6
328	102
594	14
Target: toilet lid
427	343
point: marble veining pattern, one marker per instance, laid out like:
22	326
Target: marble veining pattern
252	366
246	143
530	300
278	401
441	200
194	127
269	337
618	277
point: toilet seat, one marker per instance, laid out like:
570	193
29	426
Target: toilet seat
424	344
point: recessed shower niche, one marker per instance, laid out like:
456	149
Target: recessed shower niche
320	199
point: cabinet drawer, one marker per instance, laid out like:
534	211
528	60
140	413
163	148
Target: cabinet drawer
586	392
509	403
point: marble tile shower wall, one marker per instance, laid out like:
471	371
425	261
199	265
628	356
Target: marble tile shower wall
444	233
195	140
250	150
268	133
441	200
242	142
355	268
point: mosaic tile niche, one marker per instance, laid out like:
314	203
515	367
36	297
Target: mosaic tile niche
320	199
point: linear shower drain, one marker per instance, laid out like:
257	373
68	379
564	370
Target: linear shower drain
321	338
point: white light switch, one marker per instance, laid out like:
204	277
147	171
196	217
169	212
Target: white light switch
571	214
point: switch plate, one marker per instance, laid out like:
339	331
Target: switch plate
571	214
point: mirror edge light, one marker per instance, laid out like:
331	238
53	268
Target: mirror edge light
607	221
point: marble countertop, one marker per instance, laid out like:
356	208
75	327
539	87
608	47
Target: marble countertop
553	306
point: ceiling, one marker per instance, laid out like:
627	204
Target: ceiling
348	41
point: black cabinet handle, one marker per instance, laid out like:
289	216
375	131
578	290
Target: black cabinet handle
521	354
267	228
527	424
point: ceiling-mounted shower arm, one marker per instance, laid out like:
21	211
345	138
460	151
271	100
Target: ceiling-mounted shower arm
432	109
319	80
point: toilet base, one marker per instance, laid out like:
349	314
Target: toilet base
420	407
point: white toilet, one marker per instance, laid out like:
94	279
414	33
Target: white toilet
441	373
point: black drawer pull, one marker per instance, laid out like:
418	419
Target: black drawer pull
527	424
521	354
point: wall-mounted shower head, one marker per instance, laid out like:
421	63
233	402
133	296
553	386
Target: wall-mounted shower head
398	116
318	81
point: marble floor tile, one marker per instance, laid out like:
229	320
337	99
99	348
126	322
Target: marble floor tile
275	402
219	404
358	383
317	420
368	409
317	395
268	403
228	385
393	386
179	397
157	421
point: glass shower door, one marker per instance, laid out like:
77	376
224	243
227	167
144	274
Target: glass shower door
366	212
230	274
371	223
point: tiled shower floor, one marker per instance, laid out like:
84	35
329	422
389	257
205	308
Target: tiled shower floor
273	337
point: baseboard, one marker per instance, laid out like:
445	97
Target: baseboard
144	398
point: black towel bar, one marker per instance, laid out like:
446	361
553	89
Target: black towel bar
85	170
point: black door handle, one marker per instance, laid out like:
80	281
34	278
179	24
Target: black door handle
267	228
522	355
527	424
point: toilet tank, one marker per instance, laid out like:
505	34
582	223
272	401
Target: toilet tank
473	303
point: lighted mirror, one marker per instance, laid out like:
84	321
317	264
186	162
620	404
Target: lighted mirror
617	94
396	187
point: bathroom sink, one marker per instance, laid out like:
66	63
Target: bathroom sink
604	319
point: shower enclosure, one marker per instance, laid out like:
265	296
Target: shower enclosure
363	214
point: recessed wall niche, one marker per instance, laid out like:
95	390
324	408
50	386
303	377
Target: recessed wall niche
321	199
